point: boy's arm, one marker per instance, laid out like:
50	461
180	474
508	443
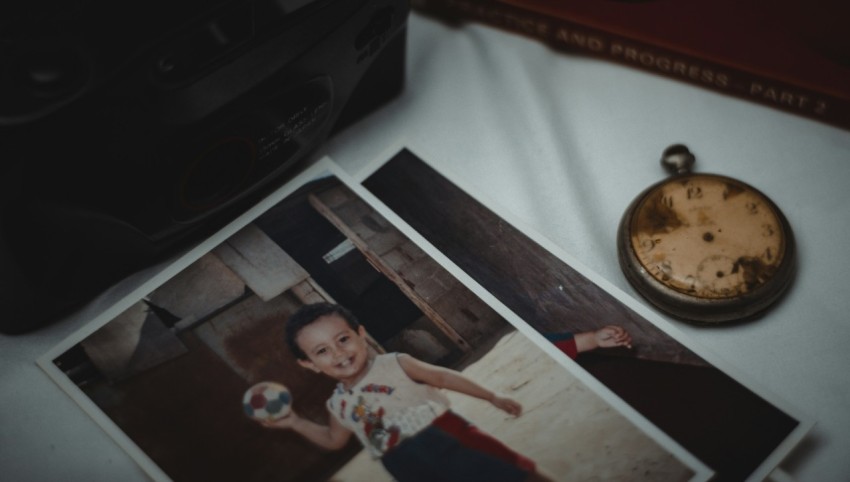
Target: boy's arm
606	337
332	436
452	380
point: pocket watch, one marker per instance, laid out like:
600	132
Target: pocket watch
705	248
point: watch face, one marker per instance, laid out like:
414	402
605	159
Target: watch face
708	236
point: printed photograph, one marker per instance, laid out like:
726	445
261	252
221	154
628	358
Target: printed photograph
319	342
737	432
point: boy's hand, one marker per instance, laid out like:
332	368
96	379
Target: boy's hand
612	336
282	423
507	405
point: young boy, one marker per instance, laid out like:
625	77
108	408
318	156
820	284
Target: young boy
394	404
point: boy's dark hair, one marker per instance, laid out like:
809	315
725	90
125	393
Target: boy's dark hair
306	315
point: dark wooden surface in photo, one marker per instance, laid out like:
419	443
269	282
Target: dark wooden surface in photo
534	283
709	413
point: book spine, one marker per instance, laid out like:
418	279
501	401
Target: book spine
569	36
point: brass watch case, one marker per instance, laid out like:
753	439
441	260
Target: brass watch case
693	308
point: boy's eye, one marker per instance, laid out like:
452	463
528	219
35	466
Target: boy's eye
344	338
321	351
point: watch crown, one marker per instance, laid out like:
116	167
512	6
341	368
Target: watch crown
677	159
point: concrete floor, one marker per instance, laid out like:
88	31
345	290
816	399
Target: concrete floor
565	427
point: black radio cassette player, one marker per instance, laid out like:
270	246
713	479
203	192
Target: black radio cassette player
130	130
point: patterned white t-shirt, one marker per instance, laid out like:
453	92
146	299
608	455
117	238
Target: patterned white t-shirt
386	406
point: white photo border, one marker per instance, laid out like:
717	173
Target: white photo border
326	167
322	168
767	466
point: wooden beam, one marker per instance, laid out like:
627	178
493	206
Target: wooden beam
390	273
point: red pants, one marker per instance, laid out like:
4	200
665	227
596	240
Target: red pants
469	435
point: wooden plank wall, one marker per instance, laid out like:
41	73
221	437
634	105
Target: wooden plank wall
450	305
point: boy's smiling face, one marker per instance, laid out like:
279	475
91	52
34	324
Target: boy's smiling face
334	348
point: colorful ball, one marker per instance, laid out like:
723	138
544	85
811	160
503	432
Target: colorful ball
267	401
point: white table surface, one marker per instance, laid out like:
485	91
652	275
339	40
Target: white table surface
563	143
